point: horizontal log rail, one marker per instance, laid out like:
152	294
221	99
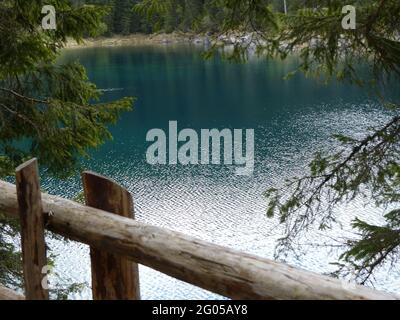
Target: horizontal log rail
218	269
7	294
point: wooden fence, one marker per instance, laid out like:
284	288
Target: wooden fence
118	242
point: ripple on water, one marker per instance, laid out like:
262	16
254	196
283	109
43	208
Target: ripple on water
211	203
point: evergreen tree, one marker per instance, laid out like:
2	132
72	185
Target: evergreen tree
122	16
47	110
364	167
193	11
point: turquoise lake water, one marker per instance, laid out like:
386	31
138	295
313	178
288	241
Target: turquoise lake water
291	119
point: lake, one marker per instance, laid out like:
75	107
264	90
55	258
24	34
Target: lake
291	119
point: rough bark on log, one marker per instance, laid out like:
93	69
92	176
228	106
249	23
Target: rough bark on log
8	294
32	230
114	277
221	270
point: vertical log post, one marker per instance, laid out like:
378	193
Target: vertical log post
113	277
32	230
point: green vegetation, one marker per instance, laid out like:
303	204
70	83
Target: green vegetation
136	16
364	167
47	110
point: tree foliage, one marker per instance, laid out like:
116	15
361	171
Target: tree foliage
363	167
366	167
48	110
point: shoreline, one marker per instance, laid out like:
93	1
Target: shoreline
176	37
138	39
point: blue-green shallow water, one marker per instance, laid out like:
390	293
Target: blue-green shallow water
292	119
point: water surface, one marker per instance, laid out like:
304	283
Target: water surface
292	119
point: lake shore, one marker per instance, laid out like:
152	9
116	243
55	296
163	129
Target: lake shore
139	39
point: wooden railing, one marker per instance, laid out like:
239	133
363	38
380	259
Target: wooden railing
118	242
